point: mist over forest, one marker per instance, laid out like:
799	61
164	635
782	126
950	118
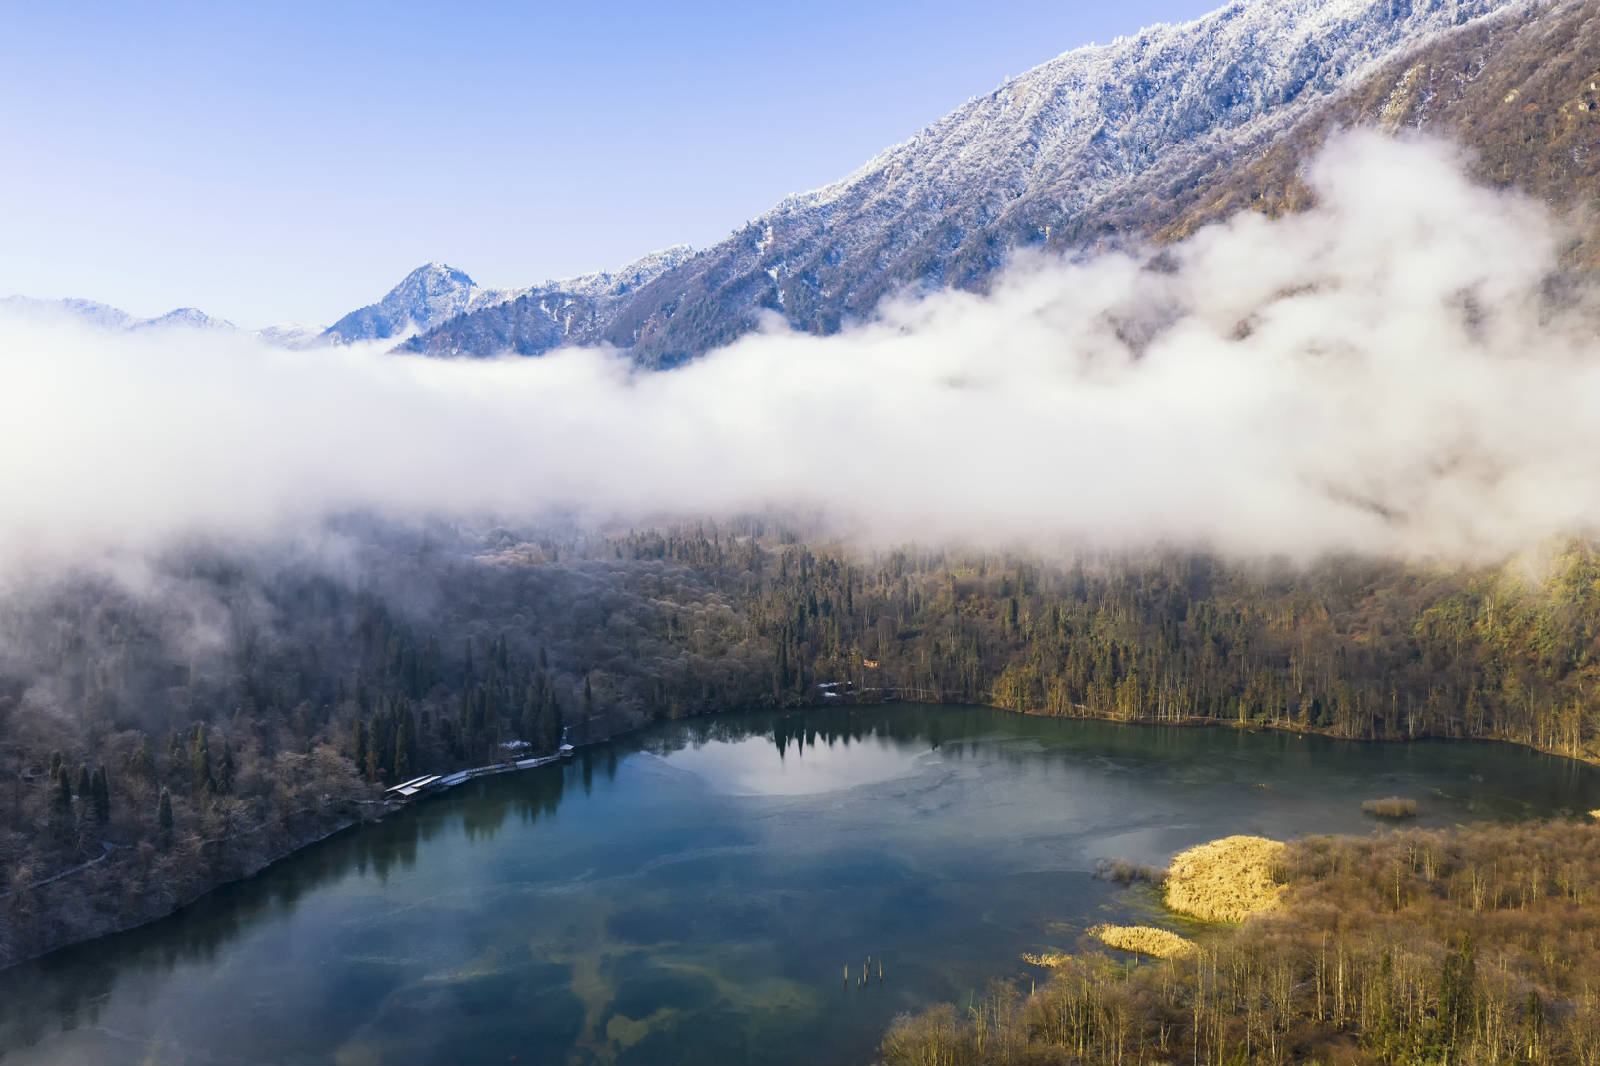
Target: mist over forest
1333	472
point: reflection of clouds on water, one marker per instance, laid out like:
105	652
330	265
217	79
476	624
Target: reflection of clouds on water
754	767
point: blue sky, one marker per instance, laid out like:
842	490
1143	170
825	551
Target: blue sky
289	162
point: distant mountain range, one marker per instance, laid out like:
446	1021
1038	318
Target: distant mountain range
425	299
109	317
1142	139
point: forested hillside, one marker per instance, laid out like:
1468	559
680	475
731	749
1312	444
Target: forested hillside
181	726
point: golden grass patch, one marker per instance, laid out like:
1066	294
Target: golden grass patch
1391	807
1226	880
1144	939
1051	959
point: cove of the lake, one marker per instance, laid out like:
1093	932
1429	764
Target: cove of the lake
695	892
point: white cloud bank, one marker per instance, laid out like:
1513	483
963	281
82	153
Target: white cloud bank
1377	374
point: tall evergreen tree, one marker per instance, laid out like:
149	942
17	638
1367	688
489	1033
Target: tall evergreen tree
200	760
374	765
142	763
164	813
528	725
404	742
402	762
100	790
550	723
225	770
408	720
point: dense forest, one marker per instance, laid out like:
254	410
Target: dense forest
1476	945
174	724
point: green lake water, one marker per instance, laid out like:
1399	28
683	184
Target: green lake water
694	893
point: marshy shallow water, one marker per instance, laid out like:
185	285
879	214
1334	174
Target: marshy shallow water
693	893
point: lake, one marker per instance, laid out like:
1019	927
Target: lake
694	893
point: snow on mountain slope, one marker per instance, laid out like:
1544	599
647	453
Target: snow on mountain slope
536	319
104	316
184	318
1015	167
292	335
429	295
1520	94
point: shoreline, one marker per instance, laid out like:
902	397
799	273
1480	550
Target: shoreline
375	810
386	807
1302	731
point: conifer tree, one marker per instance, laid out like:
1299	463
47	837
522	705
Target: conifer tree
550	722
164	814
142	763
402	763
374	764
408	722
200	760
100	790
404	743
225	770
528	727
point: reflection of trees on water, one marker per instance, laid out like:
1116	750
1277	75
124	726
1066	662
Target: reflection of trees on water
1539	781
68	989
495	799
795	731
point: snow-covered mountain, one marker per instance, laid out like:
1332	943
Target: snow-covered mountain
114	319
184	318
292	335
1141	139
104	316
426	297
98	314
1028	164
435	293
536	319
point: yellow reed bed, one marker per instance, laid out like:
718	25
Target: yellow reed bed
1226	880
1144	939
1051	959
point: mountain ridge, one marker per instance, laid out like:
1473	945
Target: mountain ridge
1138	141
1030	164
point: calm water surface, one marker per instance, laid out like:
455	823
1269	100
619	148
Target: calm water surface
693	893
